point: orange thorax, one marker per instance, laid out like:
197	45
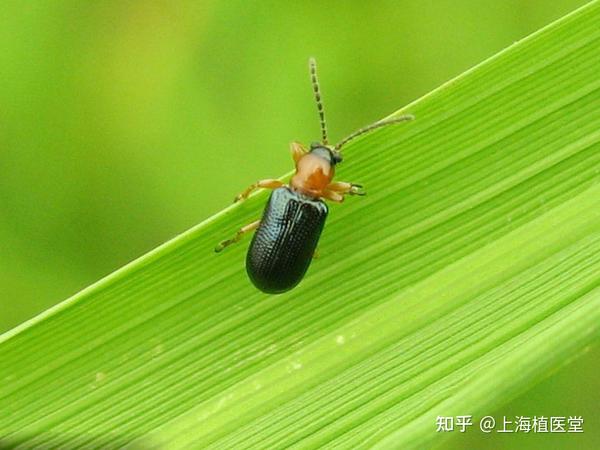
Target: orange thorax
312	176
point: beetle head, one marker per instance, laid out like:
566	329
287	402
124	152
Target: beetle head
327	153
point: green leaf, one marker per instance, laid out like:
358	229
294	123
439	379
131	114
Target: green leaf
470	271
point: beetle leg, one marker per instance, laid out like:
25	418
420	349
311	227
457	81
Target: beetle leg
245	229
298	150
267	184
332	195
342	187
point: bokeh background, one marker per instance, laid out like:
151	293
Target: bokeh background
123	124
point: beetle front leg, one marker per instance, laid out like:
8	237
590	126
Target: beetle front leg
246	229
342	187
298	151
267	184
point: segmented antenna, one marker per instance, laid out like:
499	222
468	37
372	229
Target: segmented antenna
315	84
373	126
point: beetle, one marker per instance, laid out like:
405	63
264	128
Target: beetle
287	235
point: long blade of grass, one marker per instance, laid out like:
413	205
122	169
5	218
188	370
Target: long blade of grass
470	270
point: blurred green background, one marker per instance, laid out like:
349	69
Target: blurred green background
125	123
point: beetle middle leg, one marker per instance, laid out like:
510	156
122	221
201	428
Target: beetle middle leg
245	229
267	184
332	195
342	187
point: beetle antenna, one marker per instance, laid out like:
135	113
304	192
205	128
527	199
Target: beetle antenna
373	126
315	84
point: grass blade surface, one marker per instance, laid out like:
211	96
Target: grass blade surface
470	270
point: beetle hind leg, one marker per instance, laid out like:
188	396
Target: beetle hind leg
236	238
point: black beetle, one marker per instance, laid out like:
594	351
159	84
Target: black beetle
287	235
